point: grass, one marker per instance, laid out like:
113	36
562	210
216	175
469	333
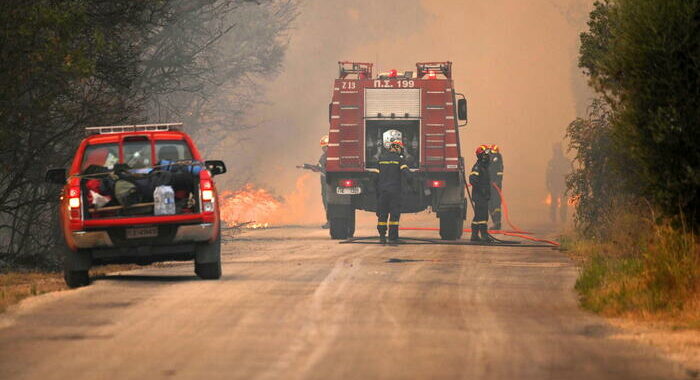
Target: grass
16	286
645	271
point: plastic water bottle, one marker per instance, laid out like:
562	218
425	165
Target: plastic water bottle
164	200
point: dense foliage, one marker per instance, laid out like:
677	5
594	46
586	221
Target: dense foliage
74	63
643	58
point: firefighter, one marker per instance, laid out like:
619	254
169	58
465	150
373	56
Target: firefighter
392	170
322	169
480	180
496	174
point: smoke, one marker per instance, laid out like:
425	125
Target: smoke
514	60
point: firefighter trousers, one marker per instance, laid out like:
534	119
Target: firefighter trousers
495	206
388	214
481	215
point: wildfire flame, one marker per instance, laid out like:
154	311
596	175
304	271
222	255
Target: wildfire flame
548	200
247	205
258	208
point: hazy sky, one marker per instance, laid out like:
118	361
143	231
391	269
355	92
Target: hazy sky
514	60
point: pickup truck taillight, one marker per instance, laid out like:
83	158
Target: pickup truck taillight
207	195
74	202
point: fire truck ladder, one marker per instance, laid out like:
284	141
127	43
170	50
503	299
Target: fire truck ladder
359	69
444	68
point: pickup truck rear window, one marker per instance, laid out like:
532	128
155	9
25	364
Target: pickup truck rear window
137	154
105	155
172	150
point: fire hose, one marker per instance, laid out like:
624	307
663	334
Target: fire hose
515	231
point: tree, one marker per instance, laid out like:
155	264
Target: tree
76	63
643	57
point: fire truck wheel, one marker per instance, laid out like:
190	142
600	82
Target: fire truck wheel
451	225
207	260
340	228
351	224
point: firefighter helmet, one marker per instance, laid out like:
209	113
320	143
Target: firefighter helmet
494	148
390	136
481	150
324	141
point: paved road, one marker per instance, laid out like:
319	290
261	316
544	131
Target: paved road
294	305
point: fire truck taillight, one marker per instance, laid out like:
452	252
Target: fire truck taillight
74	202
436	183
347	183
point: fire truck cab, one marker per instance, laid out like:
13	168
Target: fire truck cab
427	110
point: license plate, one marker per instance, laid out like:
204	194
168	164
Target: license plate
348	190
142	232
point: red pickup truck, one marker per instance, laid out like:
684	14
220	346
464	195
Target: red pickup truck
108	210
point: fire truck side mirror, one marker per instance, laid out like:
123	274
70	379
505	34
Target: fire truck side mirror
57	176
462	109
215	167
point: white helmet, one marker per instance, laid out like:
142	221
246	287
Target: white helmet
391	136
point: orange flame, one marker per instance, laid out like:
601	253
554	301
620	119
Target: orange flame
548	200
260	208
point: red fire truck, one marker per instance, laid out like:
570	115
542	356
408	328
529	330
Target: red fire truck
427	110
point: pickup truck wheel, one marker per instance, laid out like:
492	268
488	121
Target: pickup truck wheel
339	228
76	278
451	225
207	260
76	265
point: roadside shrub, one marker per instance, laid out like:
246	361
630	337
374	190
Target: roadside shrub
645	268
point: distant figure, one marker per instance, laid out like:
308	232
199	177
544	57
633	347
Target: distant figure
557	170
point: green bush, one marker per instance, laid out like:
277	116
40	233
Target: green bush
643	57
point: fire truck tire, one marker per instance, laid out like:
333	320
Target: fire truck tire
451	225
207	260
351	224
340	228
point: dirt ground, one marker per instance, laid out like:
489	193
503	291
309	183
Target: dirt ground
293	304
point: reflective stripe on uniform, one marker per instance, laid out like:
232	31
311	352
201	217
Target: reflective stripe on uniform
481	222
393	223
381	223
499	173
474	173
404	167
372	170
388	162
497	210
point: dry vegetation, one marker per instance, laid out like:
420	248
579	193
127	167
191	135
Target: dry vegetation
16	286
646	271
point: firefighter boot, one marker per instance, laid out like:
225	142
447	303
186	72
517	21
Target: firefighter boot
393	232
485	236
475	232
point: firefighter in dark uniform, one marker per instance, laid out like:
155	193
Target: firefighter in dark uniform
391	170
480	180
496	174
